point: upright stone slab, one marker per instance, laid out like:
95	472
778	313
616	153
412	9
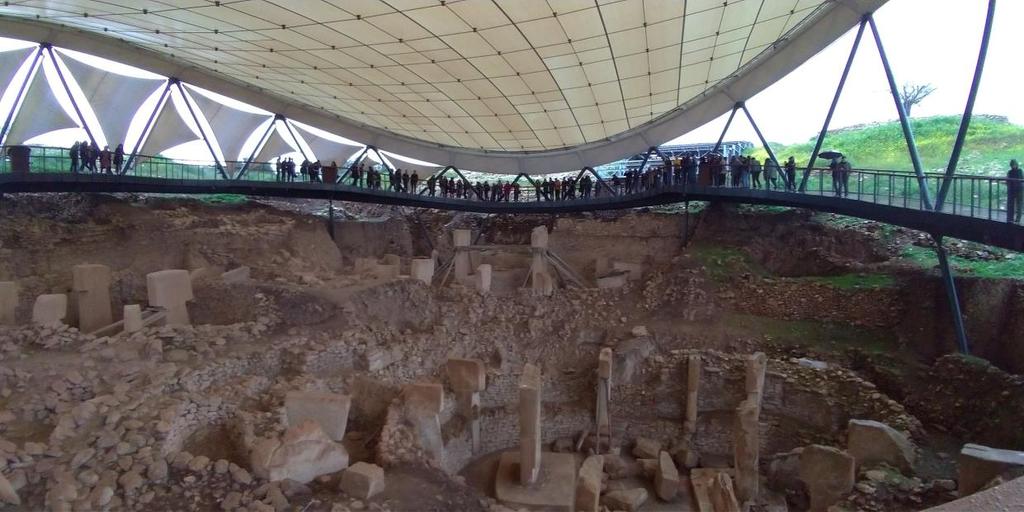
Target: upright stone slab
329	410
756	365
424	397
483	278
91	284
543	284
50	309
540	275
8	302
170	290
604	388
462	238
363	480
132	318
423	404
723	498
422	269
364	266
529	424
693	369
977	465
872	442
828	473
746	444
666	478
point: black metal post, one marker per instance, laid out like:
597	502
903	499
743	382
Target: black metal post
202	132
728	122
256	149
757	130
951	296
600	179
67	90
355	163
835	101
908	132
21	92
296	138
146	129
539	189
965	121
465	181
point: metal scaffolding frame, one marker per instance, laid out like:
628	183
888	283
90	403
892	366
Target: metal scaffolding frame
21	93
67	90
202	132
148	127
259	145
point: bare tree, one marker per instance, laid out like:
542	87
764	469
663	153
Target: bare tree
913	94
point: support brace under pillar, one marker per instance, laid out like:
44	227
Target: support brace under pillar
951	296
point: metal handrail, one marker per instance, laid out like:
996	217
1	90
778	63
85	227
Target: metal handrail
970	195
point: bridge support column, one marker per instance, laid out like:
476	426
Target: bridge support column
951	296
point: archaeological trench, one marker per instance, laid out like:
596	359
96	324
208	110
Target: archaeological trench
163	353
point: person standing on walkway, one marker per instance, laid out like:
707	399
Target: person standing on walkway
771	172
74	157
118	158
1014	193
105	160
791	174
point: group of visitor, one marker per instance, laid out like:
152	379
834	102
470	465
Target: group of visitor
313	172
85	156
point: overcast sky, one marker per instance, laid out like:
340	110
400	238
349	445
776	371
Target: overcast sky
927	41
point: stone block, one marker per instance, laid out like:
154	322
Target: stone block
462	237
646	448
872	442
468	375
50	309
828	473
604	363
722	495
555	491
236	275
91	283
303	453
422	269
617	280
977	465
483	278
362	481
602	266
635	271
543	284
756	365
329	410
132	318
588	484
629	500
424	397
385	271
364	265
539	237
391	259
8	302
746	446
666	478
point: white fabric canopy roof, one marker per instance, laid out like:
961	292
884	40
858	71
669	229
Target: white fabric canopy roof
501	85
278	143
40	111
169	130
114	98
231	127
324	149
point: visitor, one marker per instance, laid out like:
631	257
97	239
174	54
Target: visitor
83	155
74	156
94	155
405	180
755	171
1014	193
304	170
844	176
105	160
279	170
414	181
791	174
515	192
314	172
118	158
771	172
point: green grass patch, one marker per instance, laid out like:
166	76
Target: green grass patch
723	263
224	199
991	142
823	336
1010	267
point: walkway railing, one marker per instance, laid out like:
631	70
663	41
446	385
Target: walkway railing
974	196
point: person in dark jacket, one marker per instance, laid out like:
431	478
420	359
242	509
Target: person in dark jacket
118	158
74	157
105	160
1014	193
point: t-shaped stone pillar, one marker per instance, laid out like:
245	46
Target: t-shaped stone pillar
8	302
468	378
423	403
693	368
746	443
170	290
462	239
91	283
755	368
483	278
529	424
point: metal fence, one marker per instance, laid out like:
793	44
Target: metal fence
975	196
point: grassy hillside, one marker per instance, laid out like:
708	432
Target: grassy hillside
991	143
